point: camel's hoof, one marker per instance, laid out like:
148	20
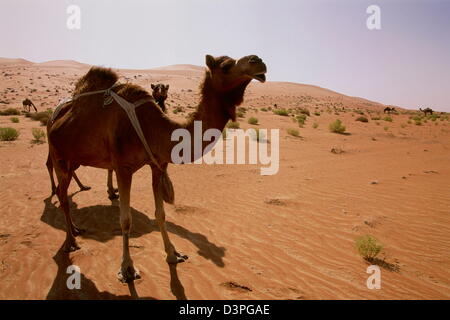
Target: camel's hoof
77	231
113	196
128	275
85	188
71	246
177	258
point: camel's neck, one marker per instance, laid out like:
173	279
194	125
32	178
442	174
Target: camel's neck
214	111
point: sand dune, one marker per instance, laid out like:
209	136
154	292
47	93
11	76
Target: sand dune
287	236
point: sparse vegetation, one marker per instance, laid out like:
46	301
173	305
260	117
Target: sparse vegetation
368	247
281	112
337	126
14	120
304	111
388	118
293	132
38	135
42	116
362	119
252	120
301	118
233	125
315	125
10	112
8	134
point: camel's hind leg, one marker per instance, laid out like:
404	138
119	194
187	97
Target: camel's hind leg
50	173
80	185
172	255
112	193
64	177
127	271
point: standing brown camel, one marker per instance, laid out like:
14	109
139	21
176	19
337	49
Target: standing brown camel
27	103
86	132
426	110
160	94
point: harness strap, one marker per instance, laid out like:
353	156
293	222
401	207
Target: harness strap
109	96
131	112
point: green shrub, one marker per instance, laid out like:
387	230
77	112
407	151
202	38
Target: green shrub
368	247
233	125
293	132
304	111
301	118
252	120
15	120
362	119
418	123
42	116
240	114
281	112
315	125
386	128
8	134
317	113
10	112
337	126
38	134
264	109
388	118
376	118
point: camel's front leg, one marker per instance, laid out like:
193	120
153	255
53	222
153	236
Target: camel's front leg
172	255
127	272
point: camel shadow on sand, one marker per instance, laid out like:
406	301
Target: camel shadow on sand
102	223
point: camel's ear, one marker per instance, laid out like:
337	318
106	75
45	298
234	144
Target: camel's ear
167	87
153	86
210	61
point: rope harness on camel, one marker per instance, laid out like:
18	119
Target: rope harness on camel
109	95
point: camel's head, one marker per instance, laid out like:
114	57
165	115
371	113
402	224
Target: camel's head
160	91
227	73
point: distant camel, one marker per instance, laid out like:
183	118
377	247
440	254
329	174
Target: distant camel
389	110
85	132
426	110
160	94
28	103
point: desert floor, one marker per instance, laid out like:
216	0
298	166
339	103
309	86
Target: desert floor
286	236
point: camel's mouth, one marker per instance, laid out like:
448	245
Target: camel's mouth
261	77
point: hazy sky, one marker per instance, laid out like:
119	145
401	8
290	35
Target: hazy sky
325	43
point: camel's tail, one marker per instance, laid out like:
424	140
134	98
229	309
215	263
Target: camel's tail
167	188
